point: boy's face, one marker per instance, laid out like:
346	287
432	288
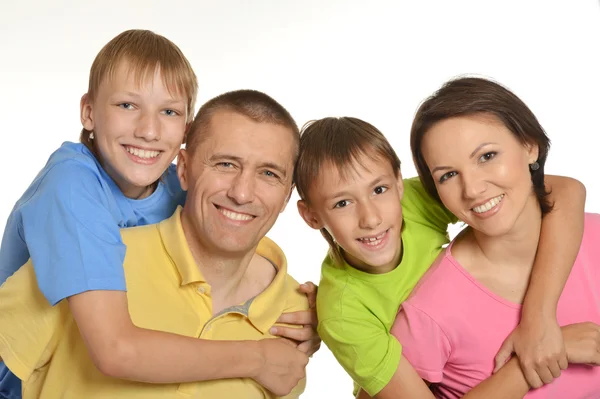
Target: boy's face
362	212
138	128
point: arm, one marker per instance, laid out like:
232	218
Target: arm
121	350
537	340
77	253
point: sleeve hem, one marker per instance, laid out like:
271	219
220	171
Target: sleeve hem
384	375
113	284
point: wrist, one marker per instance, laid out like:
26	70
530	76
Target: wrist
538	311
252	358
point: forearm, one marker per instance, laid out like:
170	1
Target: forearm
160	357
508	383
560	239
120	349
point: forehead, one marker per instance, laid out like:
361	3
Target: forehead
235	134
126	76
359	173
464	133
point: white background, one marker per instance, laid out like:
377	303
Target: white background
374	61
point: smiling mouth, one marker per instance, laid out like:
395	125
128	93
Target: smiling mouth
140	153
373	240
237	216
488	205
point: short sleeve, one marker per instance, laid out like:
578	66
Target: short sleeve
30	327
426	346
73	238
418	206
364	348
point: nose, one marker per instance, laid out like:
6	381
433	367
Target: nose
473	185
242	188
369	217
148	126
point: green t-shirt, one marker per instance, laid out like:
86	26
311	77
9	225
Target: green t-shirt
357	309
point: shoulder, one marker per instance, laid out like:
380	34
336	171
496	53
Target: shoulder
71	168
437	285
294	299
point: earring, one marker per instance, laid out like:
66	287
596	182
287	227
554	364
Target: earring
534	166
91	136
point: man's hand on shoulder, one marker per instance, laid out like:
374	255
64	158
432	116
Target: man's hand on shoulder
306	335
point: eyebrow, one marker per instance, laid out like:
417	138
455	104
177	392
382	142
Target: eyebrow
269	165
344	193
479	147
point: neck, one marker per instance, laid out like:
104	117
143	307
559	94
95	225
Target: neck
225	272
518	247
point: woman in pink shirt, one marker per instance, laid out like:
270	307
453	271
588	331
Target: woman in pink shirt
481	152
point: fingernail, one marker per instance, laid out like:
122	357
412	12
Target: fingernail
273	330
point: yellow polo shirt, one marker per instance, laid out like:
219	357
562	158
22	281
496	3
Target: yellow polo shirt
166	291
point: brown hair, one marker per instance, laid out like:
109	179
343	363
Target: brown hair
251	103
144	51
342	142
472	96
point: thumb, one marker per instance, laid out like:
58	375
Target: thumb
506	350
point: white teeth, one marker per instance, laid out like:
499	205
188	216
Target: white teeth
138	152
373	241
488	205
234	215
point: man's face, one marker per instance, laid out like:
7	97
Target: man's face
238	180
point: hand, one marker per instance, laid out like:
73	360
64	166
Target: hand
582	341
309	339
540	349
282	365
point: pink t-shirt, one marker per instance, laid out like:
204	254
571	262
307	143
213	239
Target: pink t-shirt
451	327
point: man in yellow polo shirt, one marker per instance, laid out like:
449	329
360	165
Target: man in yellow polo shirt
207	272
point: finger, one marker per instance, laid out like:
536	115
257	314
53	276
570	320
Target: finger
297	334
288	342
533	379
505	352
554	369
310	289
300	318
310	347
563	363
545	374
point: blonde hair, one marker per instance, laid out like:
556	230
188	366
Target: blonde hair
144	51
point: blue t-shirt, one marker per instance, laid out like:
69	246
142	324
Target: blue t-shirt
68	223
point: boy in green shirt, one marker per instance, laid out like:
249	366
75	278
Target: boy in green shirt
383	233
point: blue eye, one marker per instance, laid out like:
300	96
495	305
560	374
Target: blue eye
126	105
270	174
171	112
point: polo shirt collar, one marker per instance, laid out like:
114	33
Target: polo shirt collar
266	307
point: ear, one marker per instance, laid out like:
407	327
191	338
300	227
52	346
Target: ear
533	152
187	131
400	183
309	216
86	113
287	200
182	166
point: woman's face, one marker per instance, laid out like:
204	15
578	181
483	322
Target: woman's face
481	172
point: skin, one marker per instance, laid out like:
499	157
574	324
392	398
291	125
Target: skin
149	116
364	204
238	182
512	179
